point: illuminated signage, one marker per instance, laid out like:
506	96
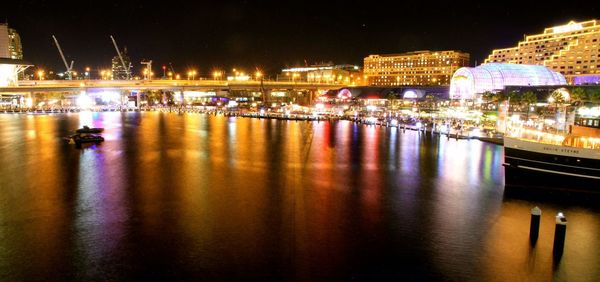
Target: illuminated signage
567	28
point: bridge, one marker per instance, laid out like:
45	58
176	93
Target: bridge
35	86
265	90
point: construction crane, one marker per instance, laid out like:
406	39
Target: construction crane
172	69
126	68
148	71
69	68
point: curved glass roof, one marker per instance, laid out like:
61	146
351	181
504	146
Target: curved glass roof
467	82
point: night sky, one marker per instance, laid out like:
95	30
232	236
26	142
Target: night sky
271	34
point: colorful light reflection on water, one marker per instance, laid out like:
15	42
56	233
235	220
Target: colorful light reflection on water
170	196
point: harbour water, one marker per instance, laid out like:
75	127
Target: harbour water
196	196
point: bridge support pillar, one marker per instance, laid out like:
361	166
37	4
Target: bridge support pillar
181	98
266	96
138	100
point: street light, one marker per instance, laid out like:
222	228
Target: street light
40	74
258	75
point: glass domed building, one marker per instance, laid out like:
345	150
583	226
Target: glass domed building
467	82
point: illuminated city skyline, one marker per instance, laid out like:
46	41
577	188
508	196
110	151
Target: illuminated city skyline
268	35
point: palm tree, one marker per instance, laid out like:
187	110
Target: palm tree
558	96
528	98
578	94
514	97
391	97
594	95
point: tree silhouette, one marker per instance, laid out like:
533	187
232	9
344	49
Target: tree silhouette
528	98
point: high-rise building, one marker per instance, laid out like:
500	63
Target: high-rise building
118	71
414	68
11	57
572	49
10	43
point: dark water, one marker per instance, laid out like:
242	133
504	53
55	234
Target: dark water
191	197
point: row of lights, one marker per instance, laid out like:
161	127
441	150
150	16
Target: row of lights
107	74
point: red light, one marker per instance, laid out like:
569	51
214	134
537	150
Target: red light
164	67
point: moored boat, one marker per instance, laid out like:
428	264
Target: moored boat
84	138
540	165
86	129
570	162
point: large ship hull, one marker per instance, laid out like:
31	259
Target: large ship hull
538	165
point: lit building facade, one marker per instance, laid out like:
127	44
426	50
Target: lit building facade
493	77
572	49
11	57
328	73
10	43
414	68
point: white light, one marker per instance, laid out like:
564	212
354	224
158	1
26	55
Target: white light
371	120
410	95
395	122
475	132
444	128
199	93
567	28
589	112
320	106
110	96
371	108
84	101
